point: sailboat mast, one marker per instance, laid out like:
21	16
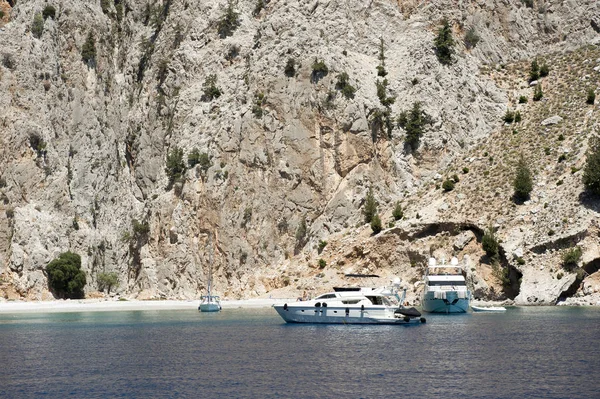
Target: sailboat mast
210	262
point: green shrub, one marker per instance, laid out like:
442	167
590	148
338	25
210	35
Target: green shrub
414	122
471	38
522	100
591	171
509	116
444	43
534	71
49	12
591	96
465	170
319	70
344	86
301	232
490	244
322	263
1	14
381	122
382	93
259	101
559	276
370	207
175	168
197	158
562	158
290	68
107	280
381	67
537	93
37	27
517	116
321	247
88	51
571	258
140	229
398	213
523	183
209	88
37	144
520	261
455	178
376	225
65	277
229	22
448	185
544	70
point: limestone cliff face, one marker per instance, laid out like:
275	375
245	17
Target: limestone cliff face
84	144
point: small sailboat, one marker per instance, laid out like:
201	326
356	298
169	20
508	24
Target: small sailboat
209	302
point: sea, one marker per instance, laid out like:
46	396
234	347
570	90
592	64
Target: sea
526	352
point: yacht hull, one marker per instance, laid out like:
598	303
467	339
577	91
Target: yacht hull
450	304
339	315
209	307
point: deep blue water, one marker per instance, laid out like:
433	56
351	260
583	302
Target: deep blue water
549	352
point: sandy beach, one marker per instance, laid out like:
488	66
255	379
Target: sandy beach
110	305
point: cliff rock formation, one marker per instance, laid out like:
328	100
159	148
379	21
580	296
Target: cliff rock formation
94	104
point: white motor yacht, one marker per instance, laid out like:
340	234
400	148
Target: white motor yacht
445	288
355	305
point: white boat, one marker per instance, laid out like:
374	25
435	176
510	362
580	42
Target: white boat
209	302
488	308
445	288
356	305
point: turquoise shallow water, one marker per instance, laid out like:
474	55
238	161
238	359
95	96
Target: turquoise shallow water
550	352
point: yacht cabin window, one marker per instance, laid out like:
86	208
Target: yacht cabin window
325	296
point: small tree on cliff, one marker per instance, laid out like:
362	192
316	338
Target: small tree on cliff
591	173
107	280
370	207
376	224
523	183
65	277
444	43
490	244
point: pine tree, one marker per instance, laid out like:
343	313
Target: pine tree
398	213
88	51
490	244
444	43
413	122
538	93
523	183
376	224
37	28
370	207
534	71
591	172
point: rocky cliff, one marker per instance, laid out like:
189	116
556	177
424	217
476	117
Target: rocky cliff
95	101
